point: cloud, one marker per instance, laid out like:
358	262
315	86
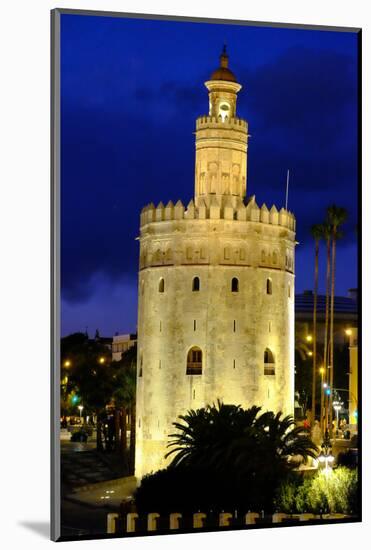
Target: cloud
122	151
110	308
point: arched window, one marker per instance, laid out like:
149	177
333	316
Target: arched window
196	284
269	367
269	286
161	285
194	361
234	284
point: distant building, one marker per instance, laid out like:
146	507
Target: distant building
345	317
122	343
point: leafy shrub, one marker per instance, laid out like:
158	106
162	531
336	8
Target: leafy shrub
335	492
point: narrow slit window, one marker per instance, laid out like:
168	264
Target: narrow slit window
234	326
194	324
269	286
161	285
234	285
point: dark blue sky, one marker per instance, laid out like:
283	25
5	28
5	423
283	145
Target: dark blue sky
131	90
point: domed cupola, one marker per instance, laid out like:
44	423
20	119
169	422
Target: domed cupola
223	72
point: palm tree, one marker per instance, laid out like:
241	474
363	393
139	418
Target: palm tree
317	232
327	237
336	216
226	438
206	432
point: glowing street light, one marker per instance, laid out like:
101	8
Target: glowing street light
310	353
326	458
67	363
80	407
348	332
102	360
309	338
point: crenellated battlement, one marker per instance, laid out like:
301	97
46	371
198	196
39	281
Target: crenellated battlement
217	209
217	122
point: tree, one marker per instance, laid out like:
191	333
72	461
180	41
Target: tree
336	216
327	237
222	436
86	364
124	396
317	234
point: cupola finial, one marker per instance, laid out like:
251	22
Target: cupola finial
224	56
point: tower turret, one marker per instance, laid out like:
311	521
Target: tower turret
221	139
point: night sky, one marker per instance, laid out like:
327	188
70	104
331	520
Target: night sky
131	90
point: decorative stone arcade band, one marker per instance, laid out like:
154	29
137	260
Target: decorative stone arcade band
160	254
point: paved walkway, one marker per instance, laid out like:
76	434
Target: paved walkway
81	465
93	478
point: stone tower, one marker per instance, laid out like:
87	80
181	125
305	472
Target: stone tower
216	289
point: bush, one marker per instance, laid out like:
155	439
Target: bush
335	492
348	458
285	500
188	490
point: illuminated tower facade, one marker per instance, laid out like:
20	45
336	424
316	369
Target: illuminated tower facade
216	289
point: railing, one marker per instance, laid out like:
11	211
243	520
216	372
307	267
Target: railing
269	369
134	523
194	368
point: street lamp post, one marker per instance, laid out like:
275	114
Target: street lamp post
322	372
337	407
80	407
